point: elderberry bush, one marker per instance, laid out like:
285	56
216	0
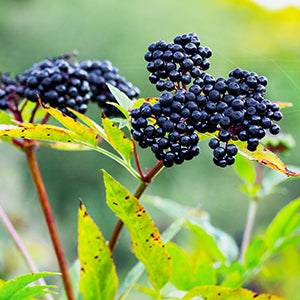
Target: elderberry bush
181	61
100	73
231	109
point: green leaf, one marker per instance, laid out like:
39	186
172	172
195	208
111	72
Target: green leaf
279	228
117	139
6	119
254	253
219	244
39	132
147	243
121	98
84	133
233	280
265	157
245	169
31	291
148	291
134	274
98	279
12	287
140	101
74	273
225	293
187	272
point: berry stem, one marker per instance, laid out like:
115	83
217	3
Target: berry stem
43	198
11	229
252	210
33	112
146	179
137	161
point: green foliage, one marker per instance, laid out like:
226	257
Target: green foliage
98	280
147	243
121	98
17	289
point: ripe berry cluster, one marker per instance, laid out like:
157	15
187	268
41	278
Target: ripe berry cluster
100	73
9	90
234	108
59	83
179	62
168	126
241	111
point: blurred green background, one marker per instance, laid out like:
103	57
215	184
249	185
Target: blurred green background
240	33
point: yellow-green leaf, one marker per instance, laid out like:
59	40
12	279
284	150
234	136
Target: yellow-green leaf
98	280
146	241
140	101
117	139
85	134
264	156
38	132
224	293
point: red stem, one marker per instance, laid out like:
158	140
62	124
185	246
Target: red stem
137	161
43	198
33	112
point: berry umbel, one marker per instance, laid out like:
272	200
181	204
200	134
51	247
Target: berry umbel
232	109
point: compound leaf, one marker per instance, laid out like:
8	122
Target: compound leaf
11	288
98	280
225	293
117	139
32	291
147	243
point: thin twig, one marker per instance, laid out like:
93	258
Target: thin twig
137	161
43	198
32	267
252	210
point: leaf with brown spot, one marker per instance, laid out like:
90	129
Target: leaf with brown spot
223	293
151	253
39	132
98	279
117	139
64	146
6	119
85	134
264	156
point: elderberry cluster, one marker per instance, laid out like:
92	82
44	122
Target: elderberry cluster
168	127
178	62
9	89
241	111
100	73
59	83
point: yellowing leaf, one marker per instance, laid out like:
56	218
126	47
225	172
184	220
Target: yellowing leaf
85	134
38	132
283	104
64	146
146	241
224	293
98	280
264	156
117	139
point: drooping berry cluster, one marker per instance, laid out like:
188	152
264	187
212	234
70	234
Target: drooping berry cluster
100	73
178	62
9	90
59	83
168	127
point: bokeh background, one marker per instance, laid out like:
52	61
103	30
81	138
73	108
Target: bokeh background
240	33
